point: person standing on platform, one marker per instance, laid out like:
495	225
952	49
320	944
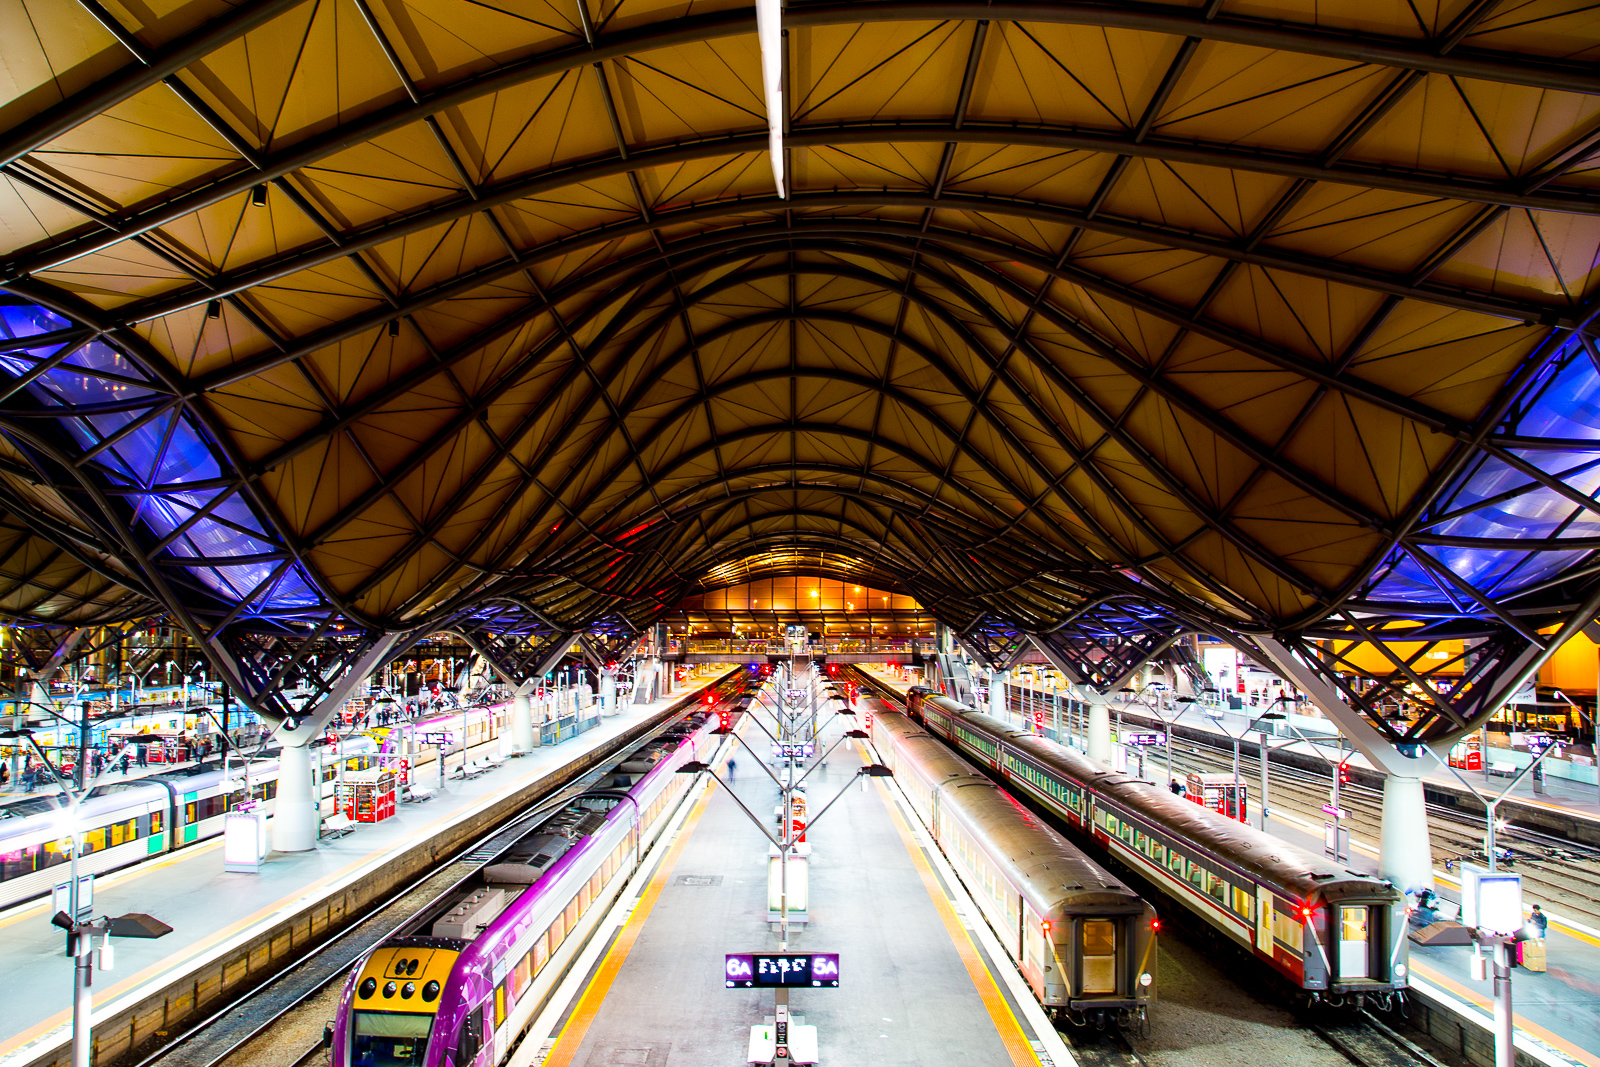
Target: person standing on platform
1539	921
732	766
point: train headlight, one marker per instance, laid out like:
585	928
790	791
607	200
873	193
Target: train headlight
1399	970
368	987
1145	979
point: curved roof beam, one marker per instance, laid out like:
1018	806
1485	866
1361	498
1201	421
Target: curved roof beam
1337	379
689	29
364	238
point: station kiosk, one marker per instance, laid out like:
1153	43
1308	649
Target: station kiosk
1220	793
367	796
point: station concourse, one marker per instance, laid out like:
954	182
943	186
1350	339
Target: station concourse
389	386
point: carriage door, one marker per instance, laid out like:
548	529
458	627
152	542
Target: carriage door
1353	942
1264	919
1099	956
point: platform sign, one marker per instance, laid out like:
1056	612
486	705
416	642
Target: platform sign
437	737
778	970
804	750
1337	813
1147	740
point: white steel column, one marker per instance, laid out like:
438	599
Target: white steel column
1404	855
521	723
294	818
1099	729
608	692
998	704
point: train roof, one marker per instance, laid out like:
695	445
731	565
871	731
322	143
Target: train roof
1055	875
1266	858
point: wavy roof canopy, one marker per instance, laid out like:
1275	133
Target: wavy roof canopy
1257	311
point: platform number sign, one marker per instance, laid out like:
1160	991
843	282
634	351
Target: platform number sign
775	970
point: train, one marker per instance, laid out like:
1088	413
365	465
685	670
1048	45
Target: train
462	979
1336	936
1084	941
129	821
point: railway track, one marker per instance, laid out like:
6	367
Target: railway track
1554	871
1360	1038
279	1023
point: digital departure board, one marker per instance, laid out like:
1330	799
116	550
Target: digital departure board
773	970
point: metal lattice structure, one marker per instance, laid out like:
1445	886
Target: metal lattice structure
380	313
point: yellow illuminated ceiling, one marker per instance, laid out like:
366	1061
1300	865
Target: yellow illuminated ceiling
1199	303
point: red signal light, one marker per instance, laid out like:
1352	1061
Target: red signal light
1155	925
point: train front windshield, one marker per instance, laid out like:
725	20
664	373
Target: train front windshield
389	1039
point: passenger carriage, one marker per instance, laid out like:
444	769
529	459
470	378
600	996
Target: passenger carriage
1083	939
462	981
1337	935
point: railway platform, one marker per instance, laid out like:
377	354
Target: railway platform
915	978
223	921
1557	1012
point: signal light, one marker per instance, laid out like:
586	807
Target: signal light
869	720
1155	925
1344	773
1046	925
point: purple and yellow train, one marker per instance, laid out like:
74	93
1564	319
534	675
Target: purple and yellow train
464	978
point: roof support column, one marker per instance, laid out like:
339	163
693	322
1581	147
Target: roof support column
521	724
297	817
999	705
1404	855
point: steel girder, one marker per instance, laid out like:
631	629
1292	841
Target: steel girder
104	498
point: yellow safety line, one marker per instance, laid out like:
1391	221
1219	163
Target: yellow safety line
1478	1000
1005	1021
577	1028
216	937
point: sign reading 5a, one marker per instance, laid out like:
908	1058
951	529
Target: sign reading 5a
772	970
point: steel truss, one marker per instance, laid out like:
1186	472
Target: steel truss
146	493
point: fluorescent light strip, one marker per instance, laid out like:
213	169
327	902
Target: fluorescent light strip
769	30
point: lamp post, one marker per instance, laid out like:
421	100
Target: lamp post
786	844
786	790
82	932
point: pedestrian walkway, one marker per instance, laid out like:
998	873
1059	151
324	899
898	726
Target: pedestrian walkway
212	912
915	983
1558	1009
1557	1012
